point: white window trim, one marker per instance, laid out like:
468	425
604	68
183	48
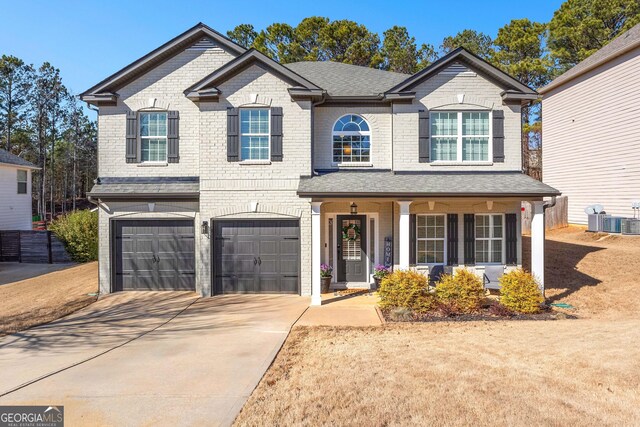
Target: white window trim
140	138
490	239
368	133
459	137
266	161
444	239
18	182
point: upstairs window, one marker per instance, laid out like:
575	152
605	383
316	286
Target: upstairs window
254	134
153	136
460	136
351	140
22	181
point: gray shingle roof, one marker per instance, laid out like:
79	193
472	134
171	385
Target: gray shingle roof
620	45
146	187
443	184
340	79
11	159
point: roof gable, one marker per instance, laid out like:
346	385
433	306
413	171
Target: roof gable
454	62
198	37
207	88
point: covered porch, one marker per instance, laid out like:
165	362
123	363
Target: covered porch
420	225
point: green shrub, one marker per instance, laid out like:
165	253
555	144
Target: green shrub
462	292
79	232
519	292
407	289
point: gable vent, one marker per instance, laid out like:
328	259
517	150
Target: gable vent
204	43
457	69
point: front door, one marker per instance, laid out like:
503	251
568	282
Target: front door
352	248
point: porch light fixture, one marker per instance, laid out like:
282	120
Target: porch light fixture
204	229
354	208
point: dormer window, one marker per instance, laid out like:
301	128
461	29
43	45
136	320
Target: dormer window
153	136
351	140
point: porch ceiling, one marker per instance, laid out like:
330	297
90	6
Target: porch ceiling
424	184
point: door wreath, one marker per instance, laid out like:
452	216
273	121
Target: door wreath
347	228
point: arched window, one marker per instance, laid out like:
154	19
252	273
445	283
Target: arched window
351	140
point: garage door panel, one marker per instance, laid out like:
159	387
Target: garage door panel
257	248
154	255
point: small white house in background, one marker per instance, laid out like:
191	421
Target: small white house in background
591	130
15	192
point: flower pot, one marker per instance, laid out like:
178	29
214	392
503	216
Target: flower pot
325	282
376	281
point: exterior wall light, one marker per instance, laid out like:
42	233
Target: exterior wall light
205	227
354	208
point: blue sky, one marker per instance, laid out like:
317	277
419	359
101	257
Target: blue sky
89	40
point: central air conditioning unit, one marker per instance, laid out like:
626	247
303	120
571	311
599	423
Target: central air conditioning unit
595	217
630	226
612	224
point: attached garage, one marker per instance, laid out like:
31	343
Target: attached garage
256	256
154	255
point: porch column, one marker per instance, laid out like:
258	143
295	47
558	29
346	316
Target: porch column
404	235
316	298
537	242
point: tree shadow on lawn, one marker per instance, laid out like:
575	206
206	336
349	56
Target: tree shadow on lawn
562	277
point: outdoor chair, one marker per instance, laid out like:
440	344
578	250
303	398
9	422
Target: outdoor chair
491	276
435	273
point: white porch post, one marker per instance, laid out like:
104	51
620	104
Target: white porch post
537	242
403	241
316	298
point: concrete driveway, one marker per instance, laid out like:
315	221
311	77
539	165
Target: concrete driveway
161	358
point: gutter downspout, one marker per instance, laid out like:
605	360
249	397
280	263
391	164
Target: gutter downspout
313	130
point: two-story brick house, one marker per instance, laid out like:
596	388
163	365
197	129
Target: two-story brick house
224	171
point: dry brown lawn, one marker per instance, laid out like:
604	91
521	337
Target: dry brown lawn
48	297
503	373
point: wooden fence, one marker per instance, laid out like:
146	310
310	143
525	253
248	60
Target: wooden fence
555	217
32	246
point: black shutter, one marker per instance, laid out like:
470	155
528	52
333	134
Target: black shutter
276	134
452	239
511	221
173	148
132	137
233	146
412	239
423	136
498	136
469	239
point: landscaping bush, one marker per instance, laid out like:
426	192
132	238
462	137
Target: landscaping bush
462	292
519	292
79	232
407	289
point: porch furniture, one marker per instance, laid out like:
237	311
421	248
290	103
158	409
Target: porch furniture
491	276
435	273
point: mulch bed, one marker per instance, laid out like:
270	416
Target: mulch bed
482	315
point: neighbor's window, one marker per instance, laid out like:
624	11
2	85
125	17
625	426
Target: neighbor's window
22	182
254	134
351	140
489	236
460	136
430	236
153	137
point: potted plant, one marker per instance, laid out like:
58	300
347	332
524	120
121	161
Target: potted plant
379	273
325	277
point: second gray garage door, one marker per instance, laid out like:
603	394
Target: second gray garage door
256	256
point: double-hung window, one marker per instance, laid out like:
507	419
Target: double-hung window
22	181
460	136
153	136
489	238
254	134
430	236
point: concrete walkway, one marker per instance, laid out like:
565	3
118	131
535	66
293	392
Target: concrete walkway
165	358
343	310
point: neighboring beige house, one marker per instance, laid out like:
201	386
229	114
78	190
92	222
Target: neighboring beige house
15	192
591	130
224	171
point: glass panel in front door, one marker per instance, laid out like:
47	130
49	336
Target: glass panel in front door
350	247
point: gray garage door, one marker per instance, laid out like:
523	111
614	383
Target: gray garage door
156	255
261	256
